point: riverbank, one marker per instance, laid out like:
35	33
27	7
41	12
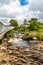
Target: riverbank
26	55
21	55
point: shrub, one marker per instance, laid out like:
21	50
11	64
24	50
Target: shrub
39	35
11	33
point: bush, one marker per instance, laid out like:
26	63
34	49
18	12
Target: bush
39	35
14	23
34	26
11	33
28	36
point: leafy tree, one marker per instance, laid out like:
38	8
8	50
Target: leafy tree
25	21
21	28
34	25
14	23
33	19
40	25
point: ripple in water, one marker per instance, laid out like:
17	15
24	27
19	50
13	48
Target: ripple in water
18	42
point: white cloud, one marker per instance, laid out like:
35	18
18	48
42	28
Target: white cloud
37	8
11	9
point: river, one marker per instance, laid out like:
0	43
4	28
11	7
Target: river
17	40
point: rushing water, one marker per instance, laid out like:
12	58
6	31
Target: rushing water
20	43
17	41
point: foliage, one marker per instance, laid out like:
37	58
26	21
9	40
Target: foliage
21	28
25	22
29	35
34	29
34	25
39	36
30	30
14	23
33	19
11	33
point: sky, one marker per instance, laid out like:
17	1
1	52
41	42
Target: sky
21	9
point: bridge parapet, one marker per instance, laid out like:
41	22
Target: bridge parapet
5	30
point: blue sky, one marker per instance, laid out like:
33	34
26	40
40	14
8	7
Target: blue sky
23	2
21	9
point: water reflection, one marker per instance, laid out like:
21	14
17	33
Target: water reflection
18	42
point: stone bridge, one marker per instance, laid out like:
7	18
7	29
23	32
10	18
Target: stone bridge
5	30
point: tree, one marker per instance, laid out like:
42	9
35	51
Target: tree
21	28
25	21
14	23
33	19
34	25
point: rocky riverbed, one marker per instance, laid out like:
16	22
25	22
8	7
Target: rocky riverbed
26	55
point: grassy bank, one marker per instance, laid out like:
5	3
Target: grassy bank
33	34
31	30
